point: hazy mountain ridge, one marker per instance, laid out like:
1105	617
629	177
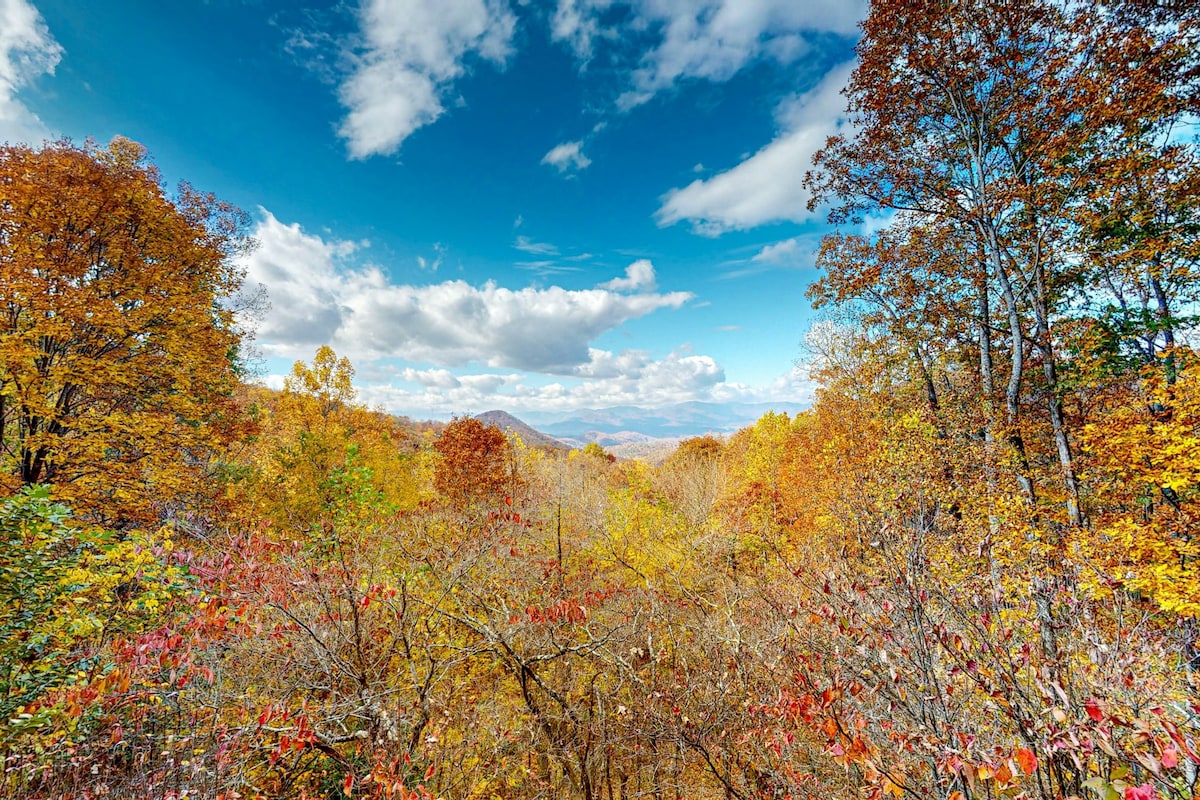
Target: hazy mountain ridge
529	435
631	432
604	439
678	421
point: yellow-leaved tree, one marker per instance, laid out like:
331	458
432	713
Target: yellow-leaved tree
117	343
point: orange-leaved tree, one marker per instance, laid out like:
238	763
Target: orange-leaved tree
475	462
117	342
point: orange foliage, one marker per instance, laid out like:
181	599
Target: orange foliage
475	462
117	345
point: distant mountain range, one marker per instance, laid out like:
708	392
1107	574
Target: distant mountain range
630	430
679	421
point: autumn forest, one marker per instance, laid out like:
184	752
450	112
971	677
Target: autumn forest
967	572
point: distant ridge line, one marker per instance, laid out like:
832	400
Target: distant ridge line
529	435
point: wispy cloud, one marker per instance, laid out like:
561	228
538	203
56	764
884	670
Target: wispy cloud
567	157
767	186
27	51
778	253
439	256
702	39
546	268
577	23
527	245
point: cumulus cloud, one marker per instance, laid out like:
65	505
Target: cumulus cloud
628	378
633	376
608	379
794	386
27	50
767	186
319	296
411	53
639	276
304	278
705	39
567	157
432	378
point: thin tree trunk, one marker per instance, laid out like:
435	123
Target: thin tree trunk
1012	392
988	389
1062	442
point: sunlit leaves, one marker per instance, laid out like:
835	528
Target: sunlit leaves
475	463
1145	456
116	339
78	608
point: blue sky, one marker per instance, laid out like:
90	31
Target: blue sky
519	204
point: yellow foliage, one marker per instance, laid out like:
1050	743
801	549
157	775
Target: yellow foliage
1144	456
309	433
117	347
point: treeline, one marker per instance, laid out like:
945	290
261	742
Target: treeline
969	571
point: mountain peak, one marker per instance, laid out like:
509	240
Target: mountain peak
529	435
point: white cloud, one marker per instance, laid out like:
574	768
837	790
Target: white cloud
784	252
795	252
567	156
767	186
794	386
639	276
575	22
317	296
705	39
412	52
27	50
432	378
303	275
631	377
877	223
527	245
605	364
439	257
627	378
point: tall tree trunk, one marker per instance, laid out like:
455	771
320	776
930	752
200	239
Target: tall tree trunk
987	381
1016	338
1062	442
